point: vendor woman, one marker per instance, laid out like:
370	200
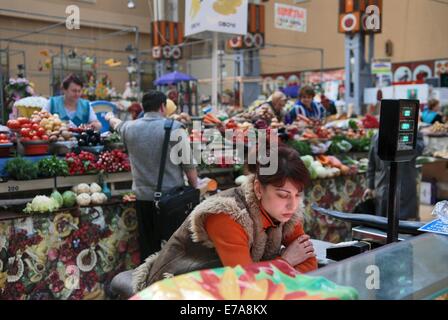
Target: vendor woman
70	107
260	221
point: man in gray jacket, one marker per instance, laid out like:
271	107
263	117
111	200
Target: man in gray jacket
378	182
144	141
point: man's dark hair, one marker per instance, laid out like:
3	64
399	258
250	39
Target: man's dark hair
307	91
153	100
72	78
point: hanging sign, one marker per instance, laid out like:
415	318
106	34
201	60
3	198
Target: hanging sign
223	16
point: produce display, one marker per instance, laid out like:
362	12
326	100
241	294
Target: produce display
52	167
113	161
43	204
89	138
89	195
83	163
439	128
441	154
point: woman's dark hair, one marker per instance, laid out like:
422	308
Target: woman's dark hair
72	78
307	91
153	100
290	167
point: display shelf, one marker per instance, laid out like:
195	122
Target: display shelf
62	182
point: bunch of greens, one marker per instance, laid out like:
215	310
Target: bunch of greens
52	167
302	147
113	138
360	145
339	144
21	169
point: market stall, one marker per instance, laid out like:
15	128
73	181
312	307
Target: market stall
68	223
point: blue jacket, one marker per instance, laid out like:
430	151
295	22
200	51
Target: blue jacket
429	116
82	114
317	113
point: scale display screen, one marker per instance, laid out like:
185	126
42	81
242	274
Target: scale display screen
398	129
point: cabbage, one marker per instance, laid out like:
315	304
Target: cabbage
42	204
58	197
313	173
69	199
307	160
322	172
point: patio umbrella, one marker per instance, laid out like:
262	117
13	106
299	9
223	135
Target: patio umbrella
173	78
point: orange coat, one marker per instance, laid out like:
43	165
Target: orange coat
232	242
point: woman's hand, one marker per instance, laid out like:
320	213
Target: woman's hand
299	251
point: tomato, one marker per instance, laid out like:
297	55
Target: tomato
44	137
26	125
13	124
23	120
4	141
40	132
26	139
35	126
3	137
25	132
35	138
32	133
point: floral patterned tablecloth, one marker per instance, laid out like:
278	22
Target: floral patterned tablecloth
69	255
340	194
274	280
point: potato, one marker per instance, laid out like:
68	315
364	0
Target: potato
66	135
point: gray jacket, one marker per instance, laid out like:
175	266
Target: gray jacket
144	140
378	180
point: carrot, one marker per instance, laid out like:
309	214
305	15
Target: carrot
212	185
324	160
334	162
209	118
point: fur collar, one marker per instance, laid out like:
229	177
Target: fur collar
242	205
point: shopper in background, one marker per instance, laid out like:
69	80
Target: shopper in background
276	105
241	226
71	108
306	107
432	113
329	106
378	182
144	140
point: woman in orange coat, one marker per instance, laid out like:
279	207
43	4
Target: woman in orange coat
260	221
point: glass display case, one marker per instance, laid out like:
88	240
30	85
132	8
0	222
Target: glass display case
415	269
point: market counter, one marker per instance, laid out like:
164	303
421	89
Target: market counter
72	254
409	270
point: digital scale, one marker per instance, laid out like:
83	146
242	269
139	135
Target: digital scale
397	143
